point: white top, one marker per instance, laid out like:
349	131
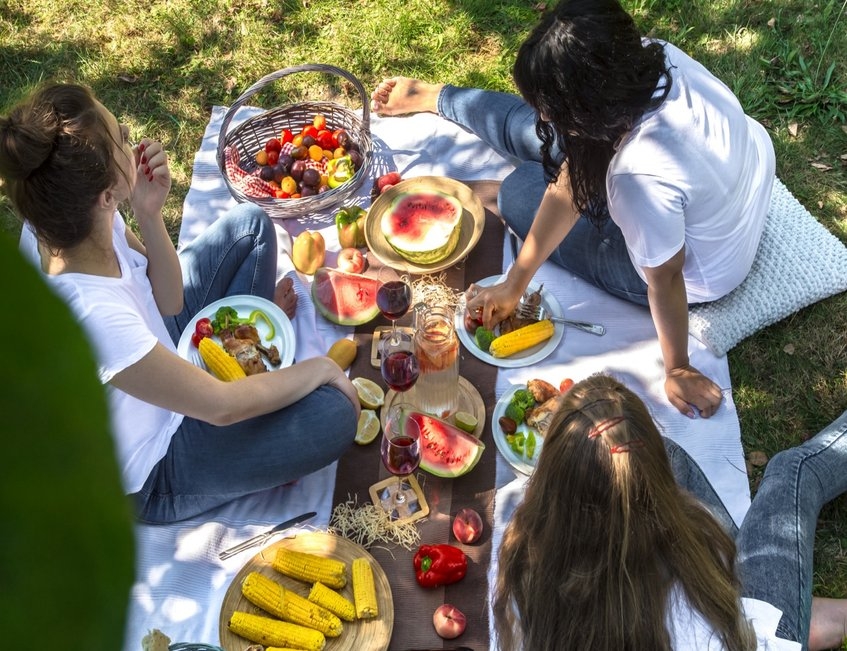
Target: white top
690	632
123	324
696	172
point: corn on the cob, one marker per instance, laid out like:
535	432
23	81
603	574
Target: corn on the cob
332	601
273	632
521	339
219	362
275	599
364	590
311	568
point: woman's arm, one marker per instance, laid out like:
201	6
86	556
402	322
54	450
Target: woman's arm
153	182
686	387
164	379
554	219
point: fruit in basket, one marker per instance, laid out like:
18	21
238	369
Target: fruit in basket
447	451
340	170
424	226
345	298
308	252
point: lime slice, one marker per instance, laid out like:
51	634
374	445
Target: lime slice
370	393
466	421
368	427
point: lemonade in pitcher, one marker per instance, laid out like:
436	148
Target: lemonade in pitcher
437	350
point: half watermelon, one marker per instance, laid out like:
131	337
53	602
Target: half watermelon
424	226
446	451
345	298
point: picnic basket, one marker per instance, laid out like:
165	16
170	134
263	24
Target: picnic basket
251	135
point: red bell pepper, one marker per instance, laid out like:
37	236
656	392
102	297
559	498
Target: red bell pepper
437	565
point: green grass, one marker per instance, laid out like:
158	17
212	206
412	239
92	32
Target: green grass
160	66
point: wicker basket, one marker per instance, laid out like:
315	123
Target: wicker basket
251	136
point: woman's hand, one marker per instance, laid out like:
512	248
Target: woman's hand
692	392
153	180
493	304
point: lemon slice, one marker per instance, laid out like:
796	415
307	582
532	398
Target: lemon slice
367	428
370	393
466	421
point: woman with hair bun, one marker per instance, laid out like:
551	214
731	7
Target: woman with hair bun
186	441
637	170
620	542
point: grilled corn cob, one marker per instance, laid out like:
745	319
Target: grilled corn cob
275	599
521	339
273	632
364	590
219	362
310	568
332	601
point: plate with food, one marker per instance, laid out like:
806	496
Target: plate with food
252	329
521	418
466	329
424	224
341	634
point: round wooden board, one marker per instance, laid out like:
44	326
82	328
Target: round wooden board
473	221
371	634
469	400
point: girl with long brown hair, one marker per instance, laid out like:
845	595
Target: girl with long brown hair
621	543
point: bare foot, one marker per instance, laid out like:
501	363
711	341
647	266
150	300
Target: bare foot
828	627
401	96
286	297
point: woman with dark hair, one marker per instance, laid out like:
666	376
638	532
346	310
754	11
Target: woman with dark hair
186	441
637	170
621	543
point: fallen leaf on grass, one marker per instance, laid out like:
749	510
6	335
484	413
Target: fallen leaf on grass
130	79
772	22
757	458
793	129
788	349
823	167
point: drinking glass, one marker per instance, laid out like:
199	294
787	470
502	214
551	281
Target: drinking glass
400	449
394	296
399	365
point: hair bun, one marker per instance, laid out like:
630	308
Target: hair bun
27	139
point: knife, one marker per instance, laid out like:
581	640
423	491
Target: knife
262	537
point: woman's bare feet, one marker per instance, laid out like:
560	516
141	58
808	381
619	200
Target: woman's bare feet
401	96
286	297
828	627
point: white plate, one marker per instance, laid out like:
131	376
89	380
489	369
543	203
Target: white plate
526	357
283	337
518	462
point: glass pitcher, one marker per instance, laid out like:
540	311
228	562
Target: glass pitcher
437	349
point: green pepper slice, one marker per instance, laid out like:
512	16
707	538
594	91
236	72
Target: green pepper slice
257	314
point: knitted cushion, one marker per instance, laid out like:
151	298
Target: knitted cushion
798	263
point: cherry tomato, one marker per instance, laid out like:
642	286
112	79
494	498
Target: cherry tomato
273	145
325	140
203	327
286	136
310	130
195	339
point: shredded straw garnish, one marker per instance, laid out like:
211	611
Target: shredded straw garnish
369	523
432	290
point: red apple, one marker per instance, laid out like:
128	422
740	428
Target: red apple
449	621
467	526
351	260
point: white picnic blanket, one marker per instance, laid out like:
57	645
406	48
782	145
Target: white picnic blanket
180	582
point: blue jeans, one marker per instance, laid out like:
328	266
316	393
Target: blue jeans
775	543
205	465
507	124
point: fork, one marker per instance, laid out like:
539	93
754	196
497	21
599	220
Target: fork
539	313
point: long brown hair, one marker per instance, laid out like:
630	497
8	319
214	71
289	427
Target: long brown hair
56	157
604	533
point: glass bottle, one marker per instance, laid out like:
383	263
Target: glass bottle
437	349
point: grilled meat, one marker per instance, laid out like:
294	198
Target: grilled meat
245	352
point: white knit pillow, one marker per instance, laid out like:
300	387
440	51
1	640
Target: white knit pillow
798	263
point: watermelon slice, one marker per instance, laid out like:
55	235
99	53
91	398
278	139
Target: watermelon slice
423	227
345	298
446	450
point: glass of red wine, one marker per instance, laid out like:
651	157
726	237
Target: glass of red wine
400	450
394	296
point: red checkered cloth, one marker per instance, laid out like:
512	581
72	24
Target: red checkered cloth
249	183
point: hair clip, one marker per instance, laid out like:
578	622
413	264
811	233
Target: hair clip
601	427
627	447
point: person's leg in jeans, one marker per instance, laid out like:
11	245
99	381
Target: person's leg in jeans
237	254
207	466
776	539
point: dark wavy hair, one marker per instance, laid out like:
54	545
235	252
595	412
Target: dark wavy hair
56	157
586	71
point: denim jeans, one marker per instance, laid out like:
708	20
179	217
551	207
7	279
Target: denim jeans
775	543
206	465
507	124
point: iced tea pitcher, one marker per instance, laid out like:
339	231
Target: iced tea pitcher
437	350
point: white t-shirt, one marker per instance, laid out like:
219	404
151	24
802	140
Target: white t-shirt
696	172
123	324
690	632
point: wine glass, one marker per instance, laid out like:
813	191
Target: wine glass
394	296
400	450
399	365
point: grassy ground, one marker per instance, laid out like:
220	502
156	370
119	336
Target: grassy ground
160	66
